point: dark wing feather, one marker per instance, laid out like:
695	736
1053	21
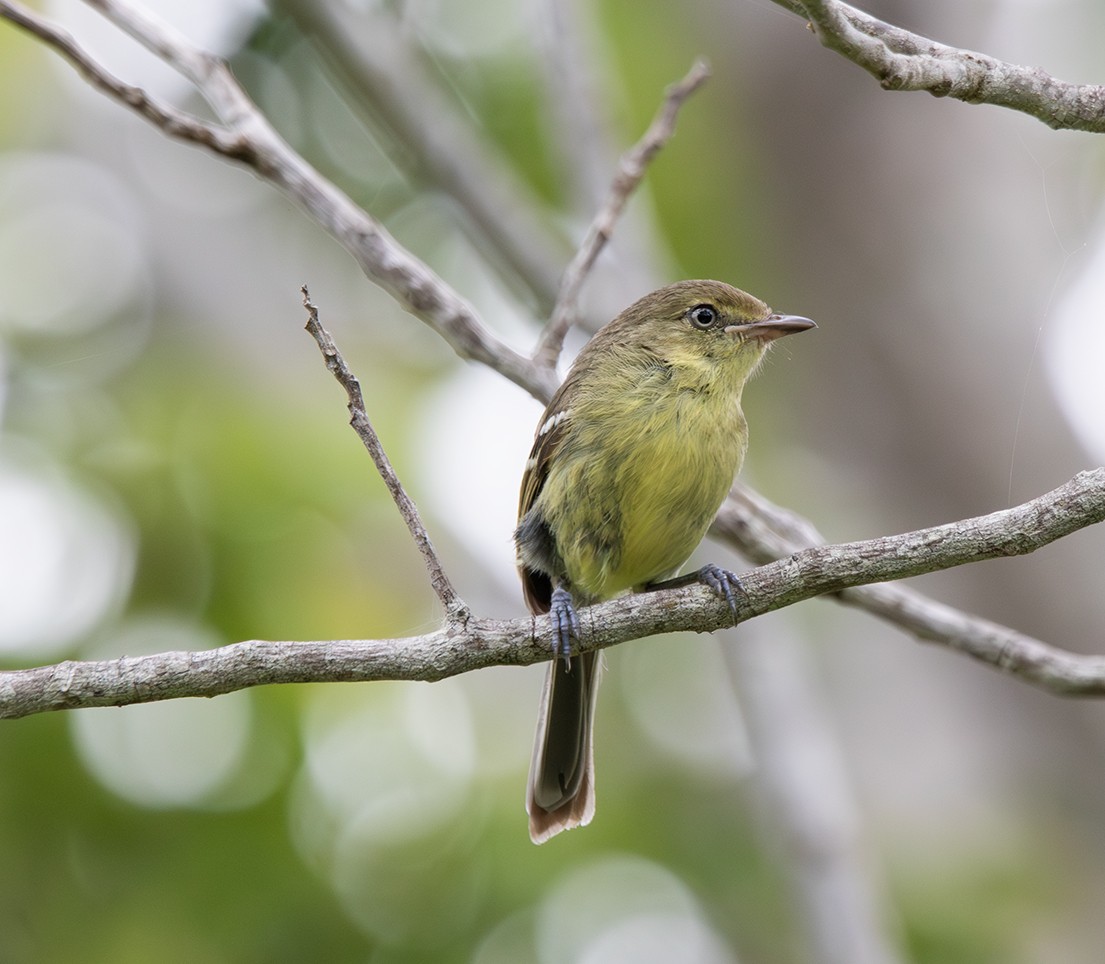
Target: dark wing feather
537	584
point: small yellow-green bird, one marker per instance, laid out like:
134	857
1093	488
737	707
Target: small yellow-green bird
631	460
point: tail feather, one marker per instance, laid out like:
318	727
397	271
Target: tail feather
561	790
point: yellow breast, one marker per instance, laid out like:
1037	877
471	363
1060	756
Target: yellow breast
641	477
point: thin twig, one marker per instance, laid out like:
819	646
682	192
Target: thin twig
902	60
163	41
461	646
455	608
631	170
175	123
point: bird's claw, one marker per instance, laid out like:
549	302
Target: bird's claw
565	624
721	581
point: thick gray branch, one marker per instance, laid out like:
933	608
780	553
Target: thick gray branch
764	532
476	643
902	60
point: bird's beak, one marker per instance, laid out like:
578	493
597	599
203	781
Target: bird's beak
774	327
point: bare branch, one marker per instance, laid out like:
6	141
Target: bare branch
764	532
902	60
386	72
582	93
247	138
461	646
173	122
455	608
631	170
170	46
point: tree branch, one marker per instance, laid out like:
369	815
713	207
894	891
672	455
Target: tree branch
764	532
461	646
902	60
387	77
455	608
631	170
247	138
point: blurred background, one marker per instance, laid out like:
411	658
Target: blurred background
176	472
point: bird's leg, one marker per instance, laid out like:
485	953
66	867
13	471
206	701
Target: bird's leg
721	581
565	624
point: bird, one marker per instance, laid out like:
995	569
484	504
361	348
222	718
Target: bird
630	462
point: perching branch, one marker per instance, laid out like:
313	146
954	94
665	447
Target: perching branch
459	647
902	60
764	532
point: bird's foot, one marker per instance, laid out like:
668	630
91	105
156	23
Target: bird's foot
721	581
565	624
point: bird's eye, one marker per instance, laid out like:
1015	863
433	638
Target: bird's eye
703	316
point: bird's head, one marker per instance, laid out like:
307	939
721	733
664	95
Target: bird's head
706	326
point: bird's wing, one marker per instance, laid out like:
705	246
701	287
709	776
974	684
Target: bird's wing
551	435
